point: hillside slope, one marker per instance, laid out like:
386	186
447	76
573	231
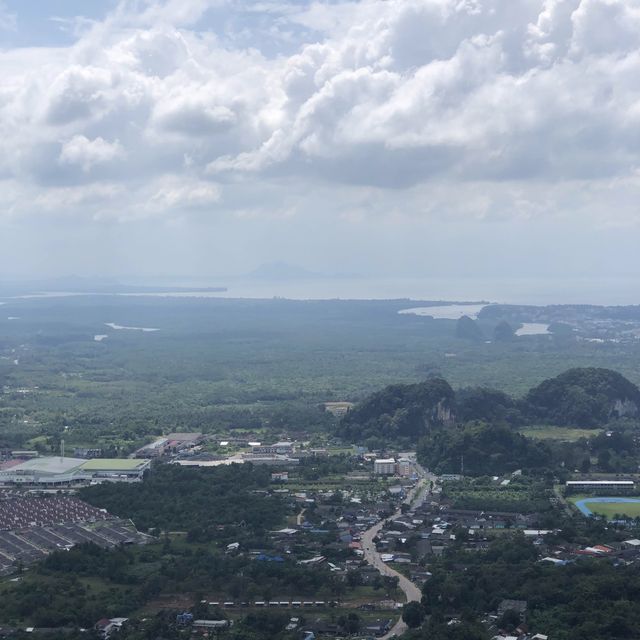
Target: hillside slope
584	397
402	410
587	397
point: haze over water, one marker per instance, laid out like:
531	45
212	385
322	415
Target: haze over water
507	291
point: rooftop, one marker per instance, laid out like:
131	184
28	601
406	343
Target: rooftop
113	464
184	437
51	465
600	482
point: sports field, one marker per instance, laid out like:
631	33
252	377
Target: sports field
609	507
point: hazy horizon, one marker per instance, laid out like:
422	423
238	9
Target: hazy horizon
520	291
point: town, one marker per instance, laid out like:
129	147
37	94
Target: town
375	525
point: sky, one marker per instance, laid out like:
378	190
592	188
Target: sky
425	138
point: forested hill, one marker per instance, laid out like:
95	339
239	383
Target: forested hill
586	397
401	410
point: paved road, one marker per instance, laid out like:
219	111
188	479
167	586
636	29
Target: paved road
411	591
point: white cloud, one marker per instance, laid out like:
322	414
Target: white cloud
92	199
507	101
193	116
86	153
173	194
78	93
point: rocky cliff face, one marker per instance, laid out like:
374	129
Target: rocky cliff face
444	413
624	409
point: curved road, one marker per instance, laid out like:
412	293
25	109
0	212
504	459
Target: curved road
411	591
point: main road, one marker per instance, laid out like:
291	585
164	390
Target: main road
411	591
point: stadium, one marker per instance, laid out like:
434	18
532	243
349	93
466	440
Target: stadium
60	472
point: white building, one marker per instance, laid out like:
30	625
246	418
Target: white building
279	448
384	467
211	624
619	486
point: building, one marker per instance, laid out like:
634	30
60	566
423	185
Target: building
279	448
519	606
172	443
106	627
82	452
211	624
188	439
338	409
598	486
64	472
182	441
24	454
42	471
634	544
384	467
115	468
405	468
154	450
272	460
184	618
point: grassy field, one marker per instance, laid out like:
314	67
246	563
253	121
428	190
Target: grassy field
610	509
567	434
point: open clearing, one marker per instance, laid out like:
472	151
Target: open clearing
568	434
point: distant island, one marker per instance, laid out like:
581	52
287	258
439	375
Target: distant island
81	285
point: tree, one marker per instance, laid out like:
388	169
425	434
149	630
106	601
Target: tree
604	460
510	620
413	614
350	623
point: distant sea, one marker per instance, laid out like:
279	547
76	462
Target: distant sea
618	291
611	291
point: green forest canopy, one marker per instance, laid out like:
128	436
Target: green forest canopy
196	500
587	397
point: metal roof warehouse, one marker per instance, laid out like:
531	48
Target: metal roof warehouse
58	471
